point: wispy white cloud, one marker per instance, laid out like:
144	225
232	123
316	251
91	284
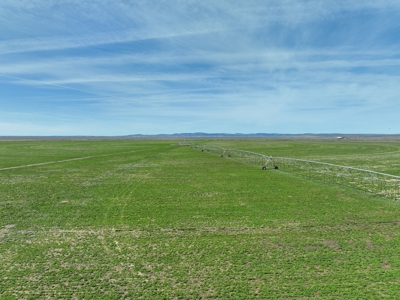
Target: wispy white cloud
250	65
76	24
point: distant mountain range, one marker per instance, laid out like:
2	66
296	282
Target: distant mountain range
204	134
209	135
339	136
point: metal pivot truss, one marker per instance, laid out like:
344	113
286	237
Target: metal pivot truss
382	184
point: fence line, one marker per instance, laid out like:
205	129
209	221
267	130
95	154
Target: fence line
378	183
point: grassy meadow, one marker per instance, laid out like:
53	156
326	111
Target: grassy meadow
147	219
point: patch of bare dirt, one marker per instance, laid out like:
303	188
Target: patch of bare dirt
331	244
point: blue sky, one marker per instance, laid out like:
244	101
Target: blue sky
121	67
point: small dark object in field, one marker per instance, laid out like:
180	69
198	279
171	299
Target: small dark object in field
264	168
202	150
276	168
229	155
222	156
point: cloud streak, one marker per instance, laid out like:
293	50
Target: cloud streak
211	66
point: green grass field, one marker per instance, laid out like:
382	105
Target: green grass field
136	219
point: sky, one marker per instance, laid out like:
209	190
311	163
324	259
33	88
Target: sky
120	67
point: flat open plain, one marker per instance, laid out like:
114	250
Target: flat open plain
147	219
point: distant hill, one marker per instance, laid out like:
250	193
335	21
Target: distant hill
215	135
239	135
204	134
338	136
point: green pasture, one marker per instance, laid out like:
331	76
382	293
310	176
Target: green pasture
147	219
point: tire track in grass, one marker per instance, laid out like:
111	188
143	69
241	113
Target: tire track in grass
123	195
70	159
9	230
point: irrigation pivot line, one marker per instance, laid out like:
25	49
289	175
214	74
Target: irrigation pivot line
382	184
